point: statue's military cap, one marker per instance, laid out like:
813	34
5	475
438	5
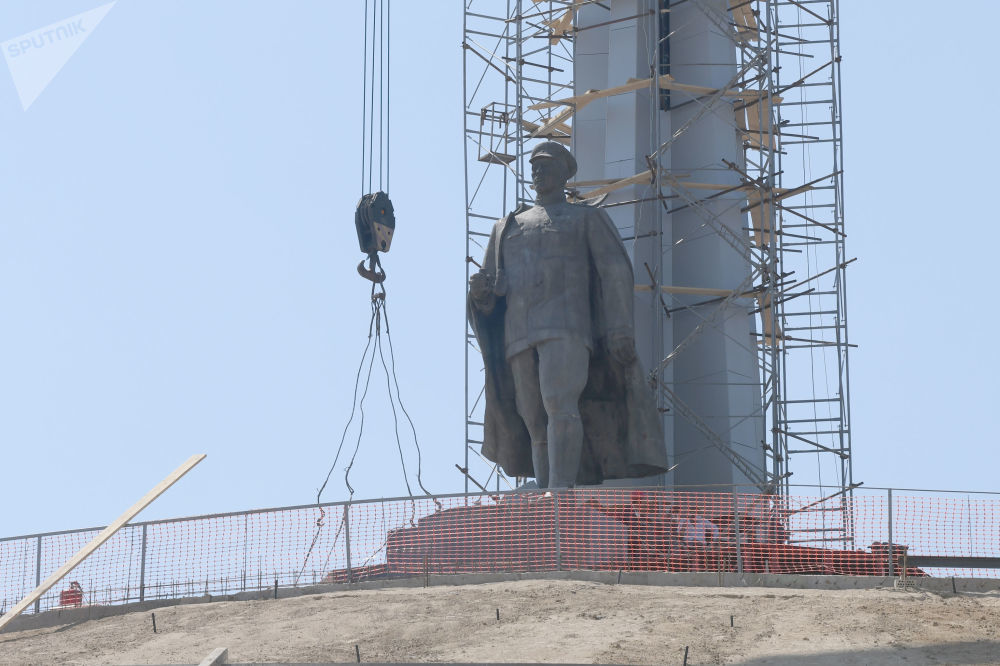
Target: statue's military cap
556	151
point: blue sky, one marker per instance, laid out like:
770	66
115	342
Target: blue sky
177	254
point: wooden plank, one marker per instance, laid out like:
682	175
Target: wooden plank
743	17
646	178
591	95
556	122
705	91
666	82
101	538
531	127
759	216
560	26
755	120
693	185
771	336
690	291
695	291
591	183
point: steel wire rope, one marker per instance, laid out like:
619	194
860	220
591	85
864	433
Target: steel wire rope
376	307
395	417
364	91
371	103
379	314
340	446
357	406
388	89
413	429
381	86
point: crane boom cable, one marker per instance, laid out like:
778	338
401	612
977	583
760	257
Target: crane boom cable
381	87
388	93
371	102
364	95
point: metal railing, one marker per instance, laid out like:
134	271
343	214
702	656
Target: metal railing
942	532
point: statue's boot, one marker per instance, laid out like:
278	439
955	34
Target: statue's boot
540	459
565	448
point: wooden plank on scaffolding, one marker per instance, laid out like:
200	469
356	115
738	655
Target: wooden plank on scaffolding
532	127
746	23
552	123
693	185
760	221
755	122
557	120
608	185
692	291
686	291
666	82
705	91
644	178
101	538
561	26
772	333
586	98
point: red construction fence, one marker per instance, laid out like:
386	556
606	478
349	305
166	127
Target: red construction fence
874	533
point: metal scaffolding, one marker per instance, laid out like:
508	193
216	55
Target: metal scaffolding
784	102
812	416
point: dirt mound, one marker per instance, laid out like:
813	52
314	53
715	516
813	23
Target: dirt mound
543	621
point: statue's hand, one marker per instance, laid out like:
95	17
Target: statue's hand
481	287
622	349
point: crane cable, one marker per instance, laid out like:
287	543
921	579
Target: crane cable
374	9
371	79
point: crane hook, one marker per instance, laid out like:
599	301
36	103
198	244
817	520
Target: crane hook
374	271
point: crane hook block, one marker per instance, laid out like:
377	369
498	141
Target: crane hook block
375	222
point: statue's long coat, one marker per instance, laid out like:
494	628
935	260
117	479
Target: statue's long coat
622	431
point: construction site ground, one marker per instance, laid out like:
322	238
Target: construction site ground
540	620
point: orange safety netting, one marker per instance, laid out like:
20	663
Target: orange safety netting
596	529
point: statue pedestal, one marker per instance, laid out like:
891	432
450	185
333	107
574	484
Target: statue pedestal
516	534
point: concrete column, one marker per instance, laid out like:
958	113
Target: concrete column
716	376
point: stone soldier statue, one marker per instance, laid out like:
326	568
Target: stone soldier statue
566	400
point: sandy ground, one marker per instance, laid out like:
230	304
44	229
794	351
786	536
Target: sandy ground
547	621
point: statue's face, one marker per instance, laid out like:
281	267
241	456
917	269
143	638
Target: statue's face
548	175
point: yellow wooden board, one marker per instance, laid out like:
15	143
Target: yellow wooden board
589	96
744	19
100	539
560	26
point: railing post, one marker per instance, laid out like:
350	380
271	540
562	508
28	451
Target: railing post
246	541
555	507
736	533
889	549
38	570
347	540
142	566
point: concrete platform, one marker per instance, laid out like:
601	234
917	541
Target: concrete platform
68	616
